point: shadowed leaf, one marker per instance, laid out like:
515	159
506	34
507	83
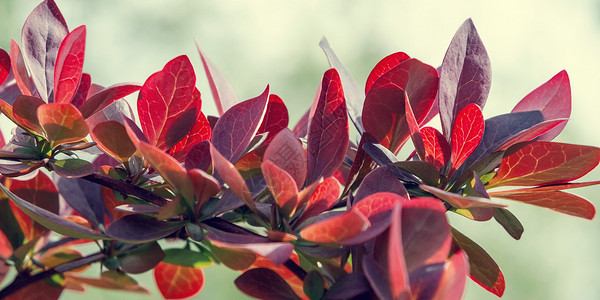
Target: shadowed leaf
263	283
141	228
25	112
285	151
459	201
112	138
142	259
200	132
454	279
69	65
382	179
509	222
397	269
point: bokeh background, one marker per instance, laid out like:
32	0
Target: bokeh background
260	42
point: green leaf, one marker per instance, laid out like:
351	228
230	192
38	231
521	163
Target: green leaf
142	259
186	258
72	168
313	285
510	223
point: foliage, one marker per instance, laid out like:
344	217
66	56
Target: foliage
303	213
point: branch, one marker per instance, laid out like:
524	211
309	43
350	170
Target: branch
126	188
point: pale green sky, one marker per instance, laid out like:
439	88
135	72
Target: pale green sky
256	43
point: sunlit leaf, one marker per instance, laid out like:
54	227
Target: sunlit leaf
112	138
19	69
62	123
72	167
107	96
69	65
454	279
437	149
112	280
5	66
459	201
282	186
397	269
466	133
322	199
336	229
221	89
383	66
178	282
555	200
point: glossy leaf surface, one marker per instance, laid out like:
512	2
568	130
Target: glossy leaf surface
178	282
69	65
328	130
323	198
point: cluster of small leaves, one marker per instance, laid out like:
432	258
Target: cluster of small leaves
301	214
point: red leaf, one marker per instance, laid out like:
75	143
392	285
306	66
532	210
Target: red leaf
383	112
541	163
25	112
221	89
413	129
322	199
205	186
40	191
82	90
200	132
383	66
42	34
454	279
378	202
437	150
276	118
531	133
39	290
69	65
178	282
285	151
465	75
466	134
238	125
396	263
166	166
460	201
553	99
62	123
230	175
19	69
328	131
198	157
555	200
336	229
4	66
169	103
112	138
282	186
483	269
103	98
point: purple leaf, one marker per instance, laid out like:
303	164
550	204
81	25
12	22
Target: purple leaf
82	90
141	228
263	283
328	132
222	91
84	197
198	156
105	97
465	75
42	34
381	179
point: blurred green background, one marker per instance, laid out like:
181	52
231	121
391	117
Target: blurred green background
259	42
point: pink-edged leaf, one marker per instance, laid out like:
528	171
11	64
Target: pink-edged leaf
205	186
382	179
19	69
178	282
200	132
322	199
103	98
532	133
465	75
425	232
62	123
437	150
169	103
166	166
222	91
413	129
453	283
282	186
328	133
69	65
336	229
555	200
82	90
5	66
384	113
238	125
25	112
276	118
541	163
264	283
383	66
285	151
466	134
276	252
353	93
42	34
230	175
112	138
483	269
397	269
460	201
553	99
198	157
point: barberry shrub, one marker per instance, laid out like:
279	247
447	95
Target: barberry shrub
308	212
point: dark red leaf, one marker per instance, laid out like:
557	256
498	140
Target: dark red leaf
285	151
328	132
99	100
555	200
238	125
205	186
465	75
42	34
82	90
276	118
221	89
178	282
553	99
532	133
466	134
38	290
437	150
69	65
483	269
542	163
282	186
230	175
398	274
198	157
413	129
169	103
263	283
19	69
25	112
301	128
383	66
5	66
200	132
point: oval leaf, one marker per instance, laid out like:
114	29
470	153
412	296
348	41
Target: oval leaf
141	228
62	123
112	138
107	96
466	134
263	283
285	151
69	65
336	229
